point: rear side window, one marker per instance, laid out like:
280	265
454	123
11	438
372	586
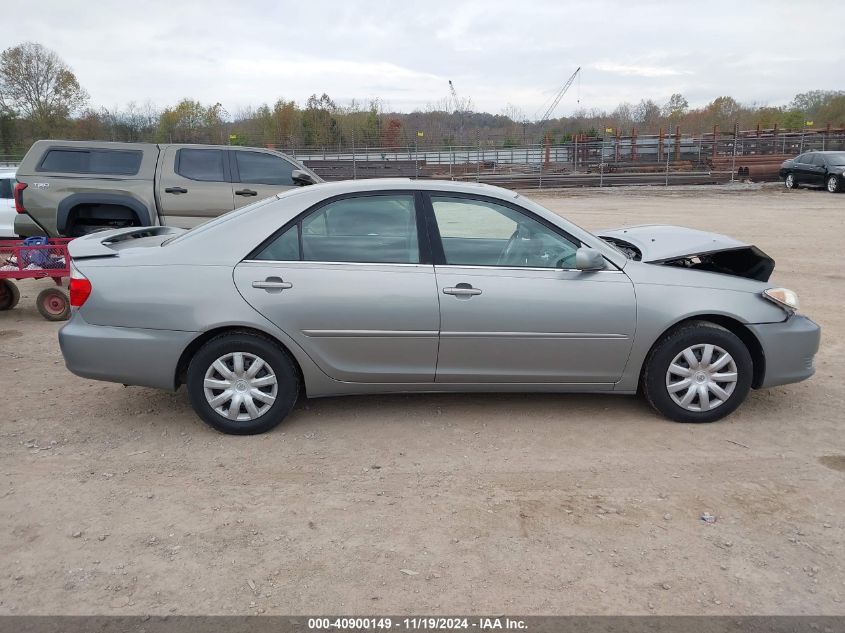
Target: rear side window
92	161
7	188
284	248
201	164
264	169
364	229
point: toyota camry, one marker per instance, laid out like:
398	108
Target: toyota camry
383	286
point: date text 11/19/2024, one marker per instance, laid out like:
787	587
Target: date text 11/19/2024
417	623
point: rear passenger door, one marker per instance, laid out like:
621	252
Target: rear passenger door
194	185
815	169
353	285
257	175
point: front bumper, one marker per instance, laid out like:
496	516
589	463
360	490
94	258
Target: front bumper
132	356
789	348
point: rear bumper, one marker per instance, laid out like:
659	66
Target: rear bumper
789	349
26	227
132	356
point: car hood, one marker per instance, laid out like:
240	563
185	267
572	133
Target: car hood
690	248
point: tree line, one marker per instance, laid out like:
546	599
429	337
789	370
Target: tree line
41	97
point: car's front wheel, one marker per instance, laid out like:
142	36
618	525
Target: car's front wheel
242	383
699	372
790	181
833	183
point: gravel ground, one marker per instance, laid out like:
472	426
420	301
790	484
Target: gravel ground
119	500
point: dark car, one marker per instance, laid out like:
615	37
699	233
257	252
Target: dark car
817	169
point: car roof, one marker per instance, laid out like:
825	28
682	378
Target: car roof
338	187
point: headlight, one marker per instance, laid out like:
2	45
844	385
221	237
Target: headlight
785	298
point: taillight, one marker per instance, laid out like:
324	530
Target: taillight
80	288
19	197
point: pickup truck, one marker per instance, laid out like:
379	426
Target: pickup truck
72	188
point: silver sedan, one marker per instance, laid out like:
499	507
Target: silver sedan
386	286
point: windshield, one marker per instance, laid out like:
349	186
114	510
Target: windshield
836	159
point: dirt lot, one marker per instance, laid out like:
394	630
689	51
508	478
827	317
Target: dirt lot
119	500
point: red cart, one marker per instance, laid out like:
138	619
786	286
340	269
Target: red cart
22	261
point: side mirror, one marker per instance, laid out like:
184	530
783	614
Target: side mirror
587	258
302	178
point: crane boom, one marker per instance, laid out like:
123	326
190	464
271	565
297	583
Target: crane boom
454	95
558	96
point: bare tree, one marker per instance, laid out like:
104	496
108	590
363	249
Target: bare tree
36	84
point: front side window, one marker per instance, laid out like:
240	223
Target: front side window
264	169
201	164
482	233
365	229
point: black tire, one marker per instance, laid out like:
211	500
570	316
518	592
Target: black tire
53	304
790	181
654	379
9	294
287	382
832	184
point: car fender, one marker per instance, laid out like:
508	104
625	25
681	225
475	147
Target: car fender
667	296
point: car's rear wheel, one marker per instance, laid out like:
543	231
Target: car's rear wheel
53	304
242	384
790	181
9	294
833	183
699	372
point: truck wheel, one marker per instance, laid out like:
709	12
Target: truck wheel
53	304
9	295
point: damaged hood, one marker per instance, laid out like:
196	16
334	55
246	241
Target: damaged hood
690	248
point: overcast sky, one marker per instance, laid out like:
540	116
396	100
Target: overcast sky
496	52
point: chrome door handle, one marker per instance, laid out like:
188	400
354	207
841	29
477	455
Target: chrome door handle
272	284
462	290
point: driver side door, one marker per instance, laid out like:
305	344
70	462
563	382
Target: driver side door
513	308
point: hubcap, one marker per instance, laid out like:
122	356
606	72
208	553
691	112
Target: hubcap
701	378
54	305
831	184
789	180
240	386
